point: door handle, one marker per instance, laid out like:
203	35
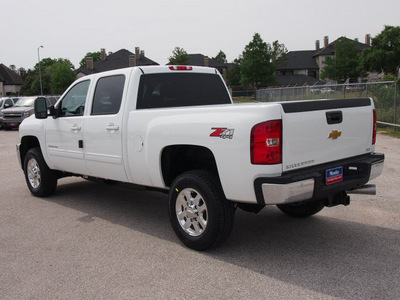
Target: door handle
75	127
112	127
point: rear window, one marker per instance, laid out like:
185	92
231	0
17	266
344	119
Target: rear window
181	89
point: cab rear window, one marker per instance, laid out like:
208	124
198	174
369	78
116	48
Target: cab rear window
181	89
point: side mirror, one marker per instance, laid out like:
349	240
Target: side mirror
7	105
40	108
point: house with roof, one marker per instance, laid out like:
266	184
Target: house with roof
304	67
10	81
298	68
121	59
205	61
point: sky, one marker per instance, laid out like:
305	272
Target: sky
70	29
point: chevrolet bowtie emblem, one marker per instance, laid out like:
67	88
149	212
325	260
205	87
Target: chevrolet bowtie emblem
334	134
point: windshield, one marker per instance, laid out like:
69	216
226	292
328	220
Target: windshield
1	102
26	102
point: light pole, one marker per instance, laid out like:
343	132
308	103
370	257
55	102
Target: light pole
40	73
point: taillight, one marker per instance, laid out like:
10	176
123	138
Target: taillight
266	143
180	68
374	129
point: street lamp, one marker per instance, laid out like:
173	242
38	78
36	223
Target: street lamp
40	73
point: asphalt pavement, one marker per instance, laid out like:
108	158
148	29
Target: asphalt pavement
96	241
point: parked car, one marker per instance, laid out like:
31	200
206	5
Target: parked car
6	103
327	90
13	116
315	90
353	88
175	129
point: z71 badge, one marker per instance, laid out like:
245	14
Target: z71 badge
223	133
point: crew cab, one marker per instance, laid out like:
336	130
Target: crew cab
175	129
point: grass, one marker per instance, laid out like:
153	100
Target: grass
395	132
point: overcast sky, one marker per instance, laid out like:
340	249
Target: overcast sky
71	28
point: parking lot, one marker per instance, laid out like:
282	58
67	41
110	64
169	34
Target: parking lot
95	241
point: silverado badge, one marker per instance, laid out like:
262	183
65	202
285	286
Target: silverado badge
334	134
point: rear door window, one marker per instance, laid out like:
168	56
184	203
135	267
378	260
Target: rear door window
108	95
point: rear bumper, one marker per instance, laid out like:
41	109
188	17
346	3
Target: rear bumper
309	183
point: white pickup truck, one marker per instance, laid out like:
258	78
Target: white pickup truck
175	129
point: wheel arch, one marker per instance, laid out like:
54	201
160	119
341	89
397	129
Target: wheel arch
177	159
28	142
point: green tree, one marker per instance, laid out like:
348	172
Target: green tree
233	75
345	63
256	68
221	57
26	88
61	76
95	55
179	57
31	85
278	53
49	67
384	54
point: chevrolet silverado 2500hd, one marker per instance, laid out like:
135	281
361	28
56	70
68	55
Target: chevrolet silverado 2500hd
175	128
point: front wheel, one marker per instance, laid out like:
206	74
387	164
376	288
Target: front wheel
41	180
302	209
200	214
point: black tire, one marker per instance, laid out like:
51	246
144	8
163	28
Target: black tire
200	215
41	180
302	209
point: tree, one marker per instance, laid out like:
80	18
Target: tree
221	57
384	54
61	76
345	63
256	68
179	57
278	53
95	55
56	76
233	75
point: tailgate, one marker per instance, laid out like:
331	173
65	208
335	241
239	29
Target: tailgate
316	132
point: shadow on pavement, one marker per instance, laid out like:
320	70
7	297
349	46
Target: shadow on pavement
330	256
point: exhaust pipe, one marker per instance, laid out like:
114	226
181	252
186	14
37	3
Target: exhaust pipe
368	189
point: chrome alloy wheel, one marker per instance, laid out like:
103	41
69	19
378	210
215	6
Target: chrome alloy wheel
33	172
191	212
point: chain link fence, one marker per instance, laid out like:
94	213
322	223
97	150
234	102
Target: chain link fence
386	96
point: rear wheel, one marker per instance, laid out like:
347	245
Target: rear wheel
200	214
302	209
41	180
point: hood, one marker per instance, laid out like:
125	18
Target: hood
17	109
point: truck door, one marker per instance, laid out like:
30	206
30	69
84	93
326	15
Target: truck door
64	134
103	132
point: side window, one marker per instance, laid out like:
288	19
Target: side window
9	102
73	103
108	95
